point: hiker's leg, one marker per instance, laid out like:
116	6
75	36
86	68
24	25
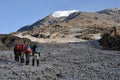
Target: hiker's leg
14	54
37	62
17	56
22	57
37	56
33	60
27	58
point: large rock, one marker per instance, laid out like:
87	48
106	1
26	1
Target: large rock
9	41
111	39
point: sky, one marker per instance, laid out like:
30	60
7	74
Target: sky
15	14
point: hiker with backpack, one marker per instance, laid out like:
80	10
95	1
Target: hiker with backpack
23	52
28	53
17	52
36	54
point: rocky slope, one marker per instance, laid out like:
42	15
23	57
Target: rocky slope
68	61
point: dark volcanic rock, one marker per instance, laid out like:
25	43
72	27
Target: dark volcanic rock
111	39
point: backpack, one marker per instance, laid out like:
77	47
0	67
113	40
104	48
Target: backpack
17	47
28	47
23	47
37	48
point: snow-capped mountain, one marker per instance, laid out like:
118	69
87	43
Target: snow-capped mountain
58	14
73	24
78	18
51	19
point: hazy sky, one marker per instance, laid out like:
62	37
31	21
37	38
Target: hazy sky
17	13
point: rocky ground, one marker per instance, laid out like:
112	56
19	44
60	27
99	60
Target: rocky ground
65	61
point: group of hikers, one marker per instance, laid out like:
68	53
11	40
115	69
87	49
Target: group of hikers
24	51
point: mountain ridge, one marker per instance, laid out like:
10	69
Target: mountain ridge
76	25
51	20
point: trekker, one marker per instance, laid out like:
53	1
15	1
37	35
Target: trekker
28	53
36	54
23	52
17	52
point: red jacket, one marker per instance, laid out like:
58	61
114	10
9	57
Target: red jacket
24	48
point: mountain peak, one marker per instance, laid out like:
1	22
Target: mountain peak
115	11
58	14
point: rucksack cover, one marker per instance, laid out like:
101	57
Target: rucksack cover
23	47
28	47
17	47
37	48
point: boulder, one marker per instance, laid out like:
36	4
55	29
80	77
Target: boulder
111	39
